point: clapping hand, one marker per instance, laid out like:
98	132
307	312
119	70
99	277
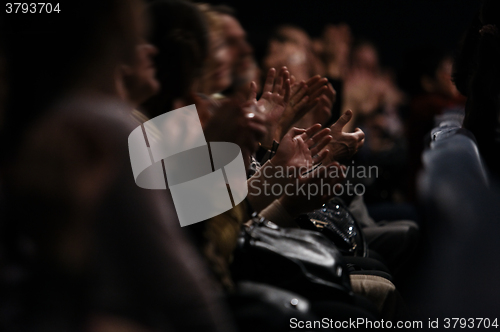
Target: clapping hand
239	123
274	100
344	145
302	148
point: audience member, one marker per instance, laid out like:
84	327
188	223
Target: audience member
84	248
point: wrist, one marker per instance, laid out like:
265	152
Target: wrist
277	135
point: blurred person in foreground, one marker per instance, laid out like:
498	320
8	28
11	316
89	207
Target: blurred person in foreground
94	251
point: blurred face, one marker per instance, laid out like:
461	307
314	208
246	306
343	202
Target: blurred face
139	78
297	36
218	72
365	58
288	54
240	51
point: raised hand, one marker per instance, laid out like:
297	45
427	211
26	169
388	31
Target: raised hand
344	145
324	96
238	123
299	150
273	102
321	99
295	109
302	148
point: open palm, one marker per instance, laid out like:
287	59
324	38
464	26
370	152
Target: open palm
274	100
300	148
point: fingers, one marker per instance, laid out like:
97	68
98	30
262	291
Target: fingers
286	97
316	138
322	144
331	93
319	157
311	131
324	105
359	134
279	85
298	102
299	145
252	96
313	80
317	91
268	85
297	131
301	108
317	81
323	94
279	81
342	121
317	84
285	77
299	91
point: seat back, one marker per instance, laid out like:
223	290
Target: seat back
461	209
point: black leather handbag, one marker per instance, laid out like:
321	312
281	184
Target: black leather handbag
336	222
299	260
261	307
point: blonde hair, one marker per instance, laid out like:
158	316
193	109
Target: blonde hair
212	18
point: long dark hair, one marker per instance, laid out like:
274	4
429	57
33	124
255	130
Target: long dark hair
180	33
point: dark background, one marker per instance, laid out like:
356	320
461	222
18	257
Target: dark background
396	26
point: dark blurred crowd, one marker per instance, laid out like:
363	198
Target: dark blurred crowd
84	248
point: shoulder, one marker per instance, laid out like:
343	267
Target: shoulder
77	140
80	124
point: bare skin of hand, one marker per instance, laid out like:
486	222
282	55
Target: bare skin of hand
311	102
322	96
294	111
299	150
303	147
344	145
314	194
273	102
238	123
